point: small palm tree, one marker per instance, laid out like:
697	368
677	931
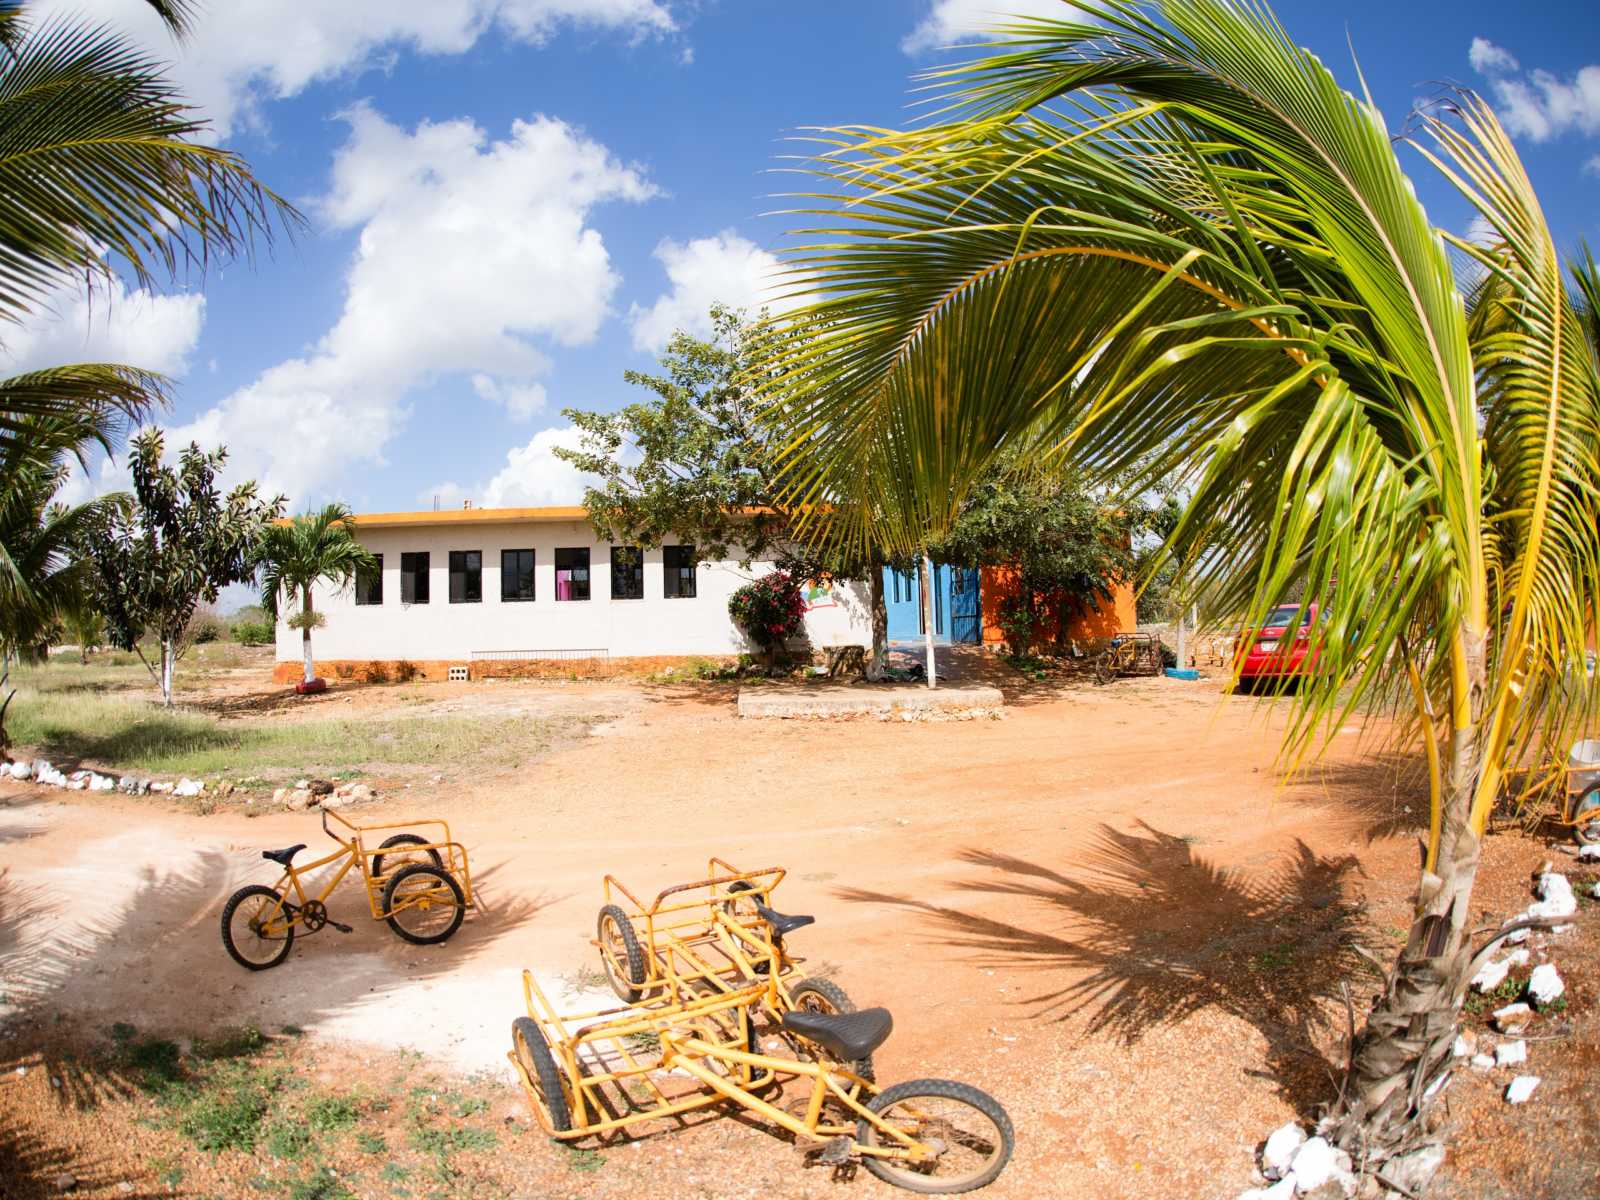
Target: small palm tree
1169	241
295	554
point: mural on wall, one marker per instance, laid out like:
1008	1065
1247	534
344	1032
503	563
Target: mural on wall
819	595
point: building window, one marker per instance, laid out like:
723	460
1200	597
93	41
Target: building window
466	576
572	574
369	582
516	575
677	569
414	577
627	573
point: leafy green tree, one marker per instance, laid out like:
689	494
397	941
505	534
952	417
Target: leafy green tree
1182	243
179	542
1066	544
292	556
695	462
42	575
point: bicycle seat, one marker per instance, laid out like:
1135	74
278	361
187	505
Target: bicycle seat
847	1036
282	857
781	924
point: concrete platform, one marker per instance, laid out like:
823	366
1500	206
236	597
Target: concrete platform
829	701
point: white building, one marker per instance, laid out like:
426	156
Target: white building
521	587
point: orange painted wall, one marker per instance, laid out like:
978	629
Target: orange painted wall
1082	623
438	670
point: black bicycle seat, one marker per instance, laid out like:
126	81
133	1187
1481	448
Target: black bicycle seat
847	1036
282	857
781	924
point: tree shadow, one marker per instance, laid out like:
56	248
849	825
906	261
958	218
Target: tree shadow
1149	934
153	958
1382	795
143	741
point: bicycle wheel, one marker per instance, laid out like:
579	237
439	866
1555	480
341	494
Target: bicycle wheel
1104	668
424	904
826	996
620	955
403	858
533	1053
255	928
969	1130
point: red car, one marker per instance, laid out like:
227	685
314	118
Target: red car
1280	650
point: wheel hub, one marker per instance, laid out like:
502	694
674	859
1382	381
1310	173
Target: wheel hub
314	915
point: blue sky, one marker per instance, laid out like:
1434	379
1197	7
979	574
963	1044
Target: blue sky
513	201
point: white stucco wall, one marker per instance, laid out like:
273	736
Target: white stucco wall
650	626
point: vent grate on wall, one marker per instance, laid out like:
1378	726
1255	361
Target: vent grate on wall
458	674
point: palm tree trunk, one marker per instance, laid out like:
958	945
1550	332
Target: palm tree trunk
878	663
1408	1041
305	632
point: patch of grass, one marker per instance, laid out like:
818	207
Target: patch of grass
321	1184
226	1113
393	1172
109	716
287	1139
466	1106
589	979
1510	988
441	1143
582	1160
1274	958
237	1042
167	1170
328	1114
647	1042
371	1143
154	1063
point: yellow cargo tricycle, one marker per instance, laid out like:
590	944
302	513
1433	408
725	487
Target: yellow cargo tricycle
612	1070
420	885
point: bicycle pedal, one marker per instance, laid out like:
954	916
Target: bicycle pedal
835	1153
341	928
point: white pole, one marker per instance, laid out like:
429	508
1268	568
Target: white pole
1181	662
925	569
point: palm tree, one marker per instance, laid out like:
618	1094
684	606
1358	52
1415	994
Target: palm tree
294	554
1168	241
104	172
42	577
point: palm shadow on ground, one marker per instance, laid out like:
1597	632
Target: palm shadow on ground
1148	934
166	931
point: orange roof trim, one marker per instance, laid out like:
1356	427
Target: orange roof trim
472	516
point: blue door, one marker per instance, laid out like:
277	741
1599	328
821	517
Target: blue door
966	614
955	604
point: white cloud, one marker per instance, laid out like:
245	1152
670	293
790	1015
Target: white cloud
1592	167
1537	103
471	253
951	22
726	269
245	52
1489	59
522	400
138	327
532	477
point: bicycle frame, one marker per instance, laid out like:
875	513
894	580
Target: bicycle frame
353	850
693	1037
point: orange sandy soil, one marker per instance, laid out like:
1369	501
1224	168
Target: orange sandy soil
1103	908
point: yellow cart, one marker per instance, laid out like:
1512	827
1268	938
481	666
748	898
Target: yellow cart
614	1071
419	883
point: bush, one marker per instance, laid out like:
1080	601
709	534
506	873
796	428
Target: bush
205	626
770	610
253	633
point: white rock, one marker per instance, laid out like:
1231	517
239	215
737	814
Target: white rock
1282	1190
1463	1048
21	770
1595	891
101	783
1552	884
1545	985
1279	1150
1508	1054
1348	1183
1482	1062
334	800
1520	1088
162	787
1589	853
279	795
1313	1164
299	800
1511	1012
189	787
1519	935
1491	975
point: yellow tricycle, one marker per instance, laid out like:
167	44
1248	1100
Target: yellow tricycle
421	885
604	1072
711	935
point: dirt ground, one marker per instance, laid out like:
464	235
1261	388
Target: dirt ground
1105	908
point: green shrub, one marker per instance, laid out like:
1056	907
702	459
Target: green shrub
328	1113
770	610
253	633
227	1116
205	626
